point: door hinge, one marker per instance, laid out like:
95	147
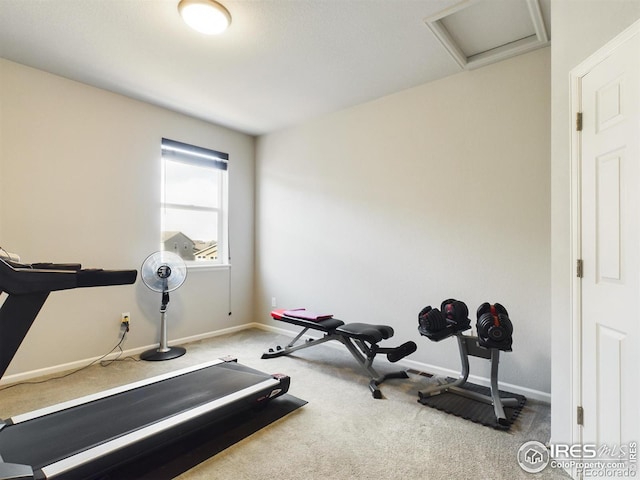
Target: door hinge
579	269
580	416
579	121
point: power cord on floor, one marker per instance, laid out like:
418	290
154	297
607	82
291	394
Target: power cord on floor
106	363
101	361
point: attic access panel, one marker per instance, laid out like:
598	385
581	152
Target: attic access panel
480	32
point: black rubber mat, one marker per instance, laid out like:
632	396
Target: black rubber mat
474	410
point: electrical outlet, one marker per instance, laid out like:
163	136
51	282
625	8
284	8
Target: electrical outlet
273	302
125	317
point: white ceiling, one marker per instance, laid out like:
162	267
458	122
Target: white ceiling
281	61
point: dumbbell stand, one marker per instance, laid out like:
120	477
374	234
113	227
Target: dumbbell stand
468	345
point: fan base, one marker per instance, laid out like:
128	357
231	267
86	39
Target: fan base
157	355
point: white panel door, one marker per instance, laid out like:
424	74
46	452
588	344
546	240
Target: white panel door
610	239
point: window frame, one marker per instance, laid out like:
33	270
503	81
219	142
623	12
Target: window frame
179	152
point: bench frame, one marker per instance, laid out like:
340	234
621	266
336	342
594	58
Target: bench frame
364	351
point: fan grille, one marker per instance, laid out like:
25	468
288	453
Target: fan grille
163	271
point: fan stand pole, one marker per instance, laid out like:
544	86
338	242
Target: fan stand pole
164	352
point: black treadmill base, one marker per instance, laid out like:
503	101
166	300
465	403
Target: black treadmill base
140	420
157	355
189	451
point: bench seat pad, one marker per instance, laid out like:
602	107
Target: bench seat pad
367	332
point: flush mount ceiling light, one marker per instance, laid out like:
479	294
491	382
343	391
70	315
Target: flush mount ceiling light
205	16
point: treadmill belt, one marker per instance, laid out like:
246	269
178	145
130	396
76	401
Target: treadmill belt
199	446
44	440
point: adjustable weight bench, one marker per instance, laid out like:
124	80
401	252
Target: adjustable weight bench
361	339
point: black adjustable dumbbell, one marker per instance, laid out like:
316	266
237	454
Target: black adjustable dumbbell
430	321
494	327
456	313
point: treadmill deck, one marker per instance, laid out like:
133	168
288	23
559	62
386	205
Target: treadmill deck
56	442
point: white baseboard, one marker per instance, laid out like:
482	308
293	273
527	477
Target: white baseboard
272	329
486	382
25	376
406	363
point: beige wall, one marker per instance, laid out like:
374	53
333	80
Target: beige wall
578	28
81	183
439	191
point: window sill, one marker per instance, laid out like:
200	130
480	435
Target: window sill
201	266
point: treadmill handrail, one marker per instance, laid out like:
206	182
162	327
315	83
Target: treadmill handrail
28	289
25	279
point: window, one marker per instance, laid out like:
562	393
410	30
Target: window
194	202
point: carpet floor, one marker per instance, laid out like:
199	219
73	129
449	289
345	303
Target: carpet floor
342	433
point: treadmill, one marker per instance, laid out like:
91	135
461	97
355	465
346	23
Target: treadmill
87	437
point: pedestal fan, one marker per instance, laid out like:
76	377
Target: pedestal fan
163	272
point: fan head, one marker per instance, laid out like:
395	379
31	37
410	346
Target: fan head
163	271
